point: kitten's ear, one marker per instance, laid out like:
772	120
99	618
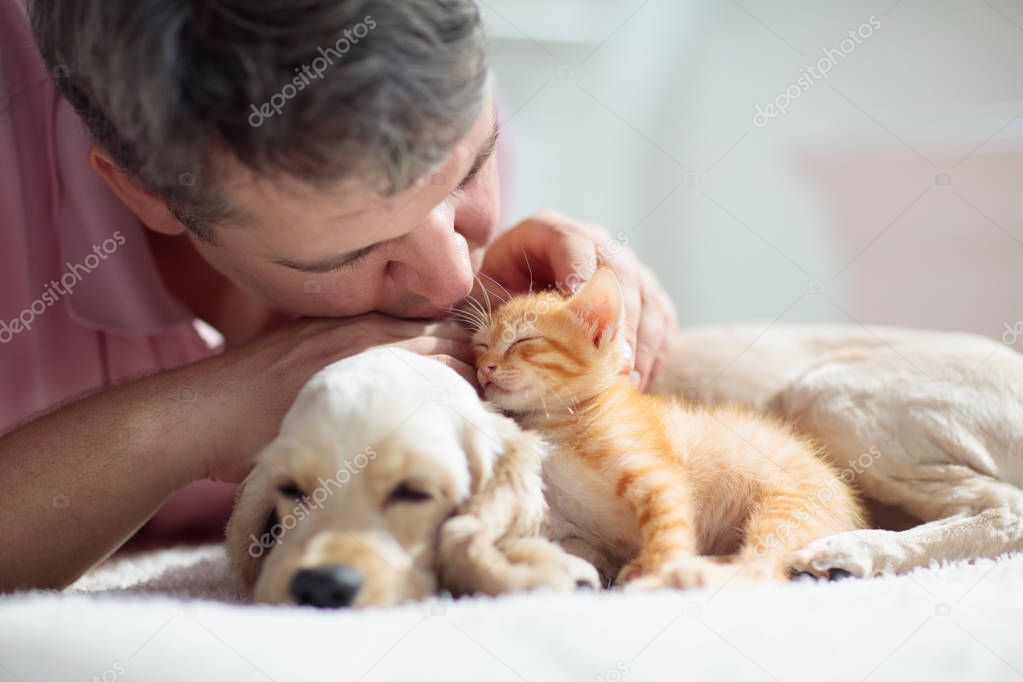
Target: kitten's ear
600	304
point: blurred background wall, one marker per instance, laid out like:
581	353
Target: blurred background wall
890	191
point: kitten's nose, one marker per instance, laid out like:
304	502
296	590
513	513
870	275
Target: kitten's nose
491	368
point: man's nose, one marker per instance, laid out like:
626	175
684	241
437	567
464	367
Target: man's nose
437	265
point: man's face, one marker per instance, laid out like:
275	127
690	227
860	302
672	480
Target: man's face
345	251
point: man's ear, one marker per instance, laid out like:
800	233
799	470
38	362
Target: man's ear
599	303
151	209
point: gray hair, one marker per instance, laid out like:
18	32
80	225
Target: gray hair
319	90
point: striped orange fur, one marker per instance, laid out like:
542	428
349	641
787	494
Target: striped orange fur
653	486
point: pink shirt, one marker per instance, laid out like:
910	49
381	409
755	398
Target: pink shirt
82	305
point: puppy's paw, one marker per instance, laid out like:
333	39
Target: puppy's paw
861	554
539	564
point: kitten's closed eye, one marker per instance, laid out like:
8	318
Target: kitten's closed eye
524	340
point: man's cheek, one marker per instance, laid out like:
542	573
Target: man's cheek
339	294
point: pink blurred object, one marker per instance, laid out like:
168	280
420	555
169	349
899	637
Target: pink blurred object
196	512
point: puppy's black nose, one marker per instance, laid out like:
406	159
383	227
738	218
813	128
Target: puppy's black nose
326	587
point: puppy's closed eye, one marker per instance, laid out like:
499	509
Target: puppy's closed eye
290	490
407	493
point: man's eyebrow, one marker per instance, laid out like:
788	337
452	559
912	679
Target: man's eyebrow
486	150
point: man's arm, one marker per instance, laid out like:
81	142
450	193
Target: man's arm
81	480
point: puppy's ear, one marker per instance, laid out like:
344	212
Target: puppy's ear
480	455
504	463
506	503
485	441
248	534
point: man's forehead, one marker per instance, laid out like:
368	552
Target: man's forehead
344	200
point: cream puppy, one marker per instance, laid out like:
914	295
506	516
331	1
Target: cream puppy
345	506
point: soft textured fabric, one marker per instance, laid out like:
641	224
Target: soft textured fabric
82	305
173	615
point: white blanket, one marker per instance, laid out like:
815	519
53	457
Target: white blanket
174	615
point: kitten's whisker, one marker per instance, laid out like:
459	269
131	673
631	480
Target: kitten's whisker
464	316
486	295
467	319
562	400
528	268
477	323
477	308
476	305
506	292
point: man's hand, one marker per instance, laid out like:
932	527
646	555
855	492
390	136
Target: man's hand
551	250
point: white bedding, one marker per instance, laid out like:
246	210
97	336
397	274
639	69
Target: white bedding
175	615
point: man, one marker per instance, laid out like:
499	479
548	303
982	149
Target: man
245	162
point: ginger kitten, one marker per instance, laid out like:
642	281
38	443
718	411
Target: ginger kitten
659	492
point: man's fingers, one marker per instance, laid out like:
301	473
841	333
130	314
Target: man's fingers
632	302
573	260
518	259
545	250
650	340
446	329
661	361
432	345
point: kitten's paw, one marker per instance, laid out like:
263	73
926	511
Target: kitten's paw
857	554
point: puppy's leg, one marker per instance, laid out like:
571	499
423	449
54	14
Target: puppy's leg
474	562
493	544
968	515
543	563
